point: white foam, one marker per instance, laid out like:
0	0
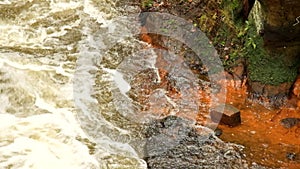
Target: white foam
43	131
5	2
122	84
41	142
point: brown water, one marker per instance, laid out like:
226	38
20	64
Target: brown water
266	141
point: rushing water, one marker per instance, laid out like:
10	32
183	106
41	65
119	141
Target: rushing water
50	53
66	67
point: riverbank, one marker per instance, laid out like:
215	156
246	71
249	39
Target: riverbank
267	142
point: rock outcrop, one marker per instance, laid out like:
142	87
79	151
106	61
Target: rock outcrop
172	143
273	48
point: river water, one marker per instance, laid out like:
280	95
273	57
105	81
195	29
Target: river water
66	68
50	54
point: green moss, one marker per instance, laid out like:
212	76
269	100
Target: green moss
265	66
147	3
232	9
227	37
227	32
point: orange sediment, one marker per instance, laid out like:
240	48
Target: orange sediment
265	140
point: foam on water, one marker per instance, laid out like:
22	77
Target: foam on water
45	138
122	84
48	51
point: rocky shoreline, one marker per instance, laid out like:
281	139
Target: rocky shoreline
173	143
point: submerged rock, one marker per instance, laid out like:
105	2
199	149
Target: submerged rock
289	122
291	156
172	143
218	132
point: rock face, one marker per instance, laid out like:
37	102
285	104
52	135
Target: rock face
281	25
296	87
296	90
274	68
172	143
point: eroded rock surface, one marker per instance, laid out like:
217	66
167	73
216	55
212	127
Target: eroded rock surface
151	86
172	143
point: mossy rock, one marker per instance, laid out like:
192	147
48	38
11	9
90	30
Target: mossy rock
270	65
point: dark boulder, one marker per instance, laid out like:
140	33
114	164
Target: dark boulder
227	114
173	143
289	122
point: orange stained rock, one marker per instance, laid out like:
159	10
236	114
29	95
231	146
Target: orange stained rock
144	36
296	87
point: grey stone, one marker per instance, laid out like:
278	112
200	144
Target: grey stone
173	143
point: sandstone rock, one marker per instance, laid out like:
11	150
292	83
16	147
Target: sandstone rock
296	88
269	90
272	91
238	70
270	95
279	22
230	115
256	87
147	81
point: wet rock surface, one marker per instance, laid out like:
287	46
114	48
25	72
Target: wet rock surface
291	156
149	80
218	132
173	143
289	122
274	95
296	87
228	115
